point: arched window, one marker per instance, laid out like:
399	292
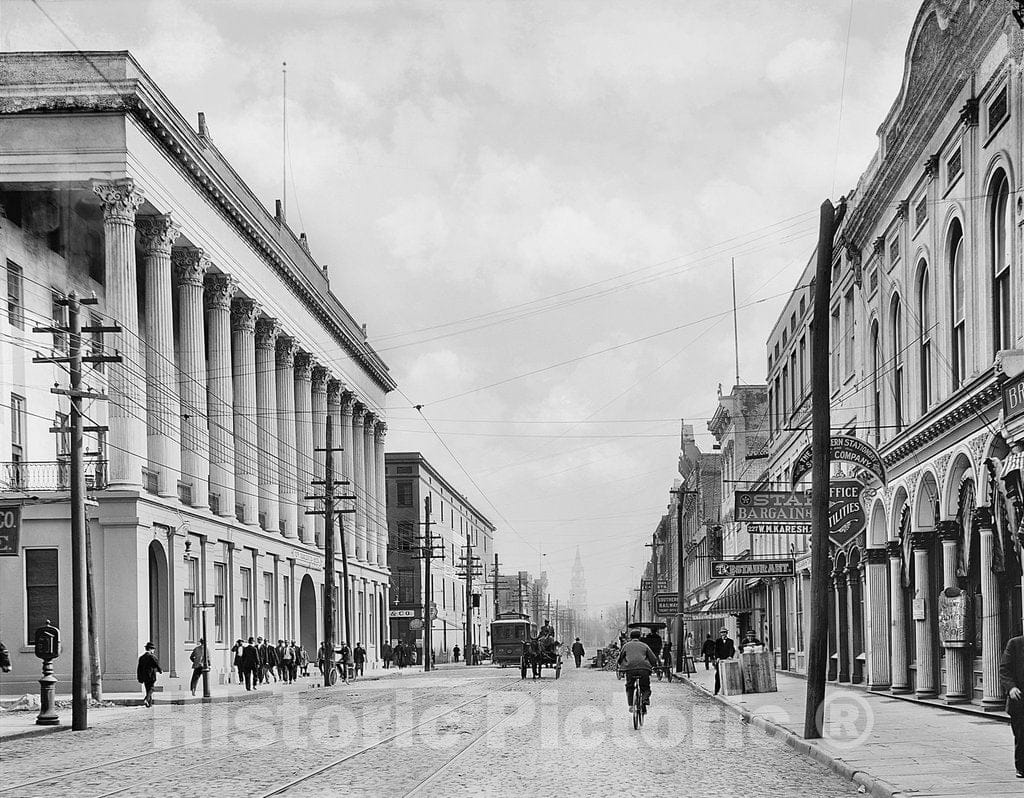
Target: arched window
924	315
897	362
1000	234
876	393
958	305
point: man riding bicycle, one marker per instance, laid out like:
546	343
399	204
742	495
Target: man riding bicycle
637	661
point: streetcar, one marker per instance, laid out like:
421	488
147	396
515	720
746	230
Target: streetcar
508	633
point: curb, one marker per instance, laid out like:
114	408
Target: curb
37	731
873	785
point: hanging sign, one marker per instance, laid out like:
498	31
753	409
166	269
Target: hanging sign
1013	397
847	449
845	513
666	603
663	585
645	585
10	529
954	614
772	507
725	569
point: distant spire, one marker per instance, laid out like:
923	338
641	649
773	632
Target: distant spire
578	587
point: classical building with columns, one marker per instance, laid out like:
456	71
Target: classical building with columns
235	356
927	326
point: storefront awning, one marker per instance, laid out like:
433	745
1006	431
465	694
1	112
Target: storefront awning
1015	462
733	599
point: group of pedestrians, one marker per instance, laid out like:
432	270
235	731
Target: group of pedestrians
399	653
257	661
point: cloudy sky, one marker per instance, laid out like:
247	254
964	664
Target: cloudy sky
533	206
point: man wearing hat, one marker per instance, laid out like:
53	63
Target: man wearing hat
724	649
146	672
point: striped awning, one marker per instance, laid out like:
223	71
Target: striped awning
1013	462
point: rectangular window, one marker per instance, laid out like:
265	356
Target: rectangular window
785	394
771	412
15	296
998	109
404	498
954	165
894	251
244	595
18	455
794	388
286	607
268	604
873	279
836	350
803	364
921	213
848	335
59	318
191	591
220	586
42	590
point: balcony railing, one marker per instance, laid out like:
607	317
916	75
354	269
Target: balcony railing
50	475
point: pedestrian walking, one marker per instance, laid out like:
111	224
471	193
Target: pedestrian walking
359	659
293	662
323	659
283	668
386	653
199	664
251	666
5	659
236	651
455	653
261	652
344	660
1011	676
724	649
270	663
400	654
707	651
578	652
148	668
666	653
303	660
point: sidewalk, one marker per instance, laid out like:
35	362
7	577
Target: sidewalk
17	724
890	746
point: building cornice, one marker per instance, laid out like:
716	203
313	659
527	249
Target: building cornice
126	89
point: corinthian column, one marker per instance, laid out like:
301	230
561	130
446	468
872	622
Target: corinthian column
287	493
346	408
319	376
957	685
190	265
244	313
900	675
220	288
842	628
370	487
163	410
359	480
991	638
921	540
877	644
266	422
304	441
382	529
121	199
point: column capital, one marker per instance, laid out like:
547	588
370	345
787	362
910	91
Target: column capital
334	392
318	374
348	404
948	530
267	330
875	556
894	548
359	411
381	431
369	420
190	265
983	518
303	365
286	347
158	233
922	538
244	312
121	199
220	290
839	578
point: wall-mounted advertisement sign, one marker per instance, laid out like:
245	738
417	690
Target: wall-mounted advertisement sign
846	449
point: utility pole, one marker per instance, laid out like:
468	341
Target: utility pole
496	605
468	568
426	553
817	650
79	549
519	579
329	511
680	492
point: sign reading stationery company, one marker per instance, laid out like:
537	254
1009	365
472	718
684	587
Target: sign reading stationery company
1013	397
847	449
666	603
725	569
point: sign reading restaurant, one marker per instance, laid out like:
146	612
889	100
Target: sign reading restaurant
725	569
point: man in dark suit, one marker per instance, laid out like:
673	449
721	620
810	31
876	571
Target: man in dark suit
1011	677
724	649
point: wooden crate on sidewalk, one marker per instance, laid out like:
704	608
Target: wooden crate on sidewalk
758	672
730	672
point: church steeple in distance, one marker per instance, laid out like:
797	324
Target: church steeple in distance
578	588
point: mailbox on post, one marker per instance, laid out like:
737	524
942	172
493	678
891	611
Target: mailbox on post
47	640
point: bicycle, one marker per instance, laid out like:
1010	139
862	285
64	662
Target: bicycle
636	701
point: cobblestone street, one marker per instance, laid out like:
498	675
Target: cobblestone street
453	732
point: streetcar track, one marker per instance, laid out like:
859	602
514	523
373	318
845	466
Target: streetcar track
164	749
283	788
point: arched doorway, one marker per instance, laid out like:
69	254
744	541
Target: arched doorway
307	616
159	605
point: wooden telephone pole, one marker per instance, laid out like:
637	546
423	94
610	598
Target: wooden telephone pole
80	565
821	421
469	566
426	553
